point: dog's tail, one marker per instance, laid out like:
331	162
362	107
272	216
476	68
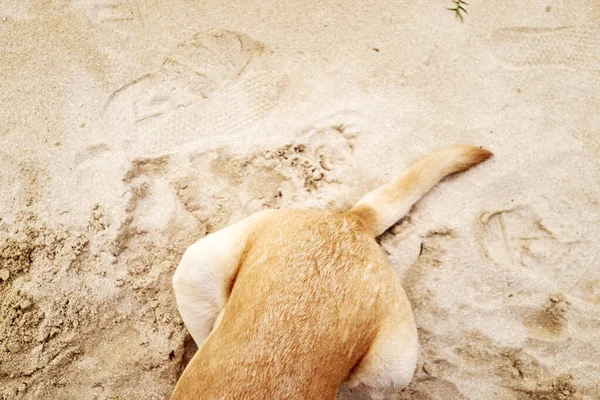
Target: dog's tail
383	207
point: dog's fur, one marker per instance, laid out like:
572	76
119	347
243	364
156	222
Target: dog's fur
289	304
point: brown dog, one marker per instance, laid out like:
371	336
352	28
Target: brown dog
289	304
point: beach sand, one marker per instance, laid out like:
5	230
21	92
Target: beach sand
132	128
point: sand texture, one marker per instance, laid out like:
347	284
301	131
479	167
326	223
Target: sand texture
132	128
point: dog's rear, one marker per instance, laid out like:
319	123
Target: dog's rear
308	300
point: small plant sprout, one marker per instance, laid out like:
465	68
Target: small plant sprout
458	9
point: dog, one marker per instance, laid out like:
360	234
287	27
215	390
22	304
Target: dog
289	304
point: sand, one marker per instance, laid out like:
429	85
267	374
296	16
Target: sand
132	128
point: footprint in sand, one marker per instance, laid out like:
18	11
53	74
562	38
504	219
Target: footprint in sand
519	236
548	47
194	70
204	87
99	11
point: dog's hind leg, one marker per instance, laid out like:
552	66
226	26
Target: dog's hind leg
203	279
390	362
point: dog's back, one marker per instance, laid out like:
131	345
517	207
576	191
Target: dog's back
305	307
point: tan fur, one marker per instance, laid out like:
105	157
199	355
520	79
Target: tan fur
289	304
